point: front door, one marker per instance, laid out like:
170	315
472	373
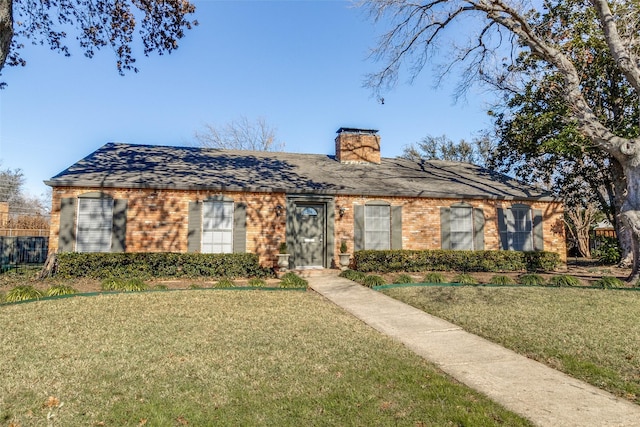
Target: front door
310	235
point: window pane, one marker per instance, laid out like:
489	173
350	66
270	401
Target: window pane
377	226
461	226
217	227
95	218
521	238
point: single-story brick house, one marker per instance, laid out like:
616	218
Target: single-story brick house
143	198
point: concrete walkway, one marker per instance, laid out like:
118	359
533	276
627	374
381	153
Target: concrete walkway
543	395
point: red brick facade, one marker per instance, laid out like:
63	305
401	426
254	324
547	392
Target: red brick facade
157	220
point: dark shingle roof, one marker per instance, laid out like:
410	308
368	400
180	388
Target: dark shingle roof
116	165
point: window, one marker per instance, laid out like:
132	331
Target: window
521	238
377	227
217	227
94	225
461	228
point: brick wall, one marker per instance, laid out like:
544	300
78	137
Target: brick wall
157	220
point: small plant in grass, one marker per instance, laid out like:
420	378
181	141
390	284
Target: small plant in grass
465	279
433	277
609	282
195	286
356	276
292	280
373	280
161	287
403	278
225	283
129	285
564	281
1	297
22	293
531	280
257	282
58	290
501	280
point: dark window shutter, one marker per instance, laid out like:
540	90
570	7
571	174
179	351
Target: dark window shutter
240	228
502	229
194	233
119	227
445	228
358	227
538	240
67	233
478	229
396	227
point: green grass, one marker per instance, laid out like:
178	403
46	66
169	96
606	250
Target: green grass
500	279
590	334
23	293
292	280
372	280
403	279
219	358
531	279
60	289
124	285
433	277
464	279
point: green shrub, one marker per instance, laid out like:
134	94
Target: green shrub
134	284
225	283
608	251
195	286
257	282
158	264
609	282
22	293
356	276
433	277
449	260
373	280
403	278
161	287
531	280
292	280
564	281
58	290
2	297
501	280
465	279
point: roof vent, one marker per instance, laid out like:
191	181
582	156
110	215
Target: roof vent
358	146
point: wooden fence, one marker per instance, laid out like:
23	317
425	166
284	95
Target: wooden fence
23	250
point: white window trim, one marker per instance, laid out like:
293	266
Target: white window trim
367	242
203	231
78	240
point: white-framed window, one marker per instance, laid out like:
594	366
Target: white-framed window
217	227
94	224
461	227
377	227
522	234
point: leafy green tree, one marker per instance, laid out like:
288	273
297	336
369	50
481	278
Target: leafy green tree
500	33
100	23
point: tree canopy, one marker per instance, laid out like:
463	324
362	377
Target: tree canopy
442	147
98	24
555	38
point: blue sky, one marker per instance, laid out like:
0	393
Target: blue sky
299	64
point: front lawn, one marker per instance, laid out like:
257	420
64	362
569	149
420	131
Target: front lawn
590	334
217	358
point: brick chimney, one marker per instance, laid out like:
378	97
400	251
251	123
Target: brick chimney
358	146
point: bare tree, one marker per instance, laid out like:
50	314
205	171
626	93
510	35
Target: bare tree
499	30
240	134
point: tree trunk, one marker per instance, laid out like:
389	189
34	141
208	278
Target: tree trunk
6	29
630	215
625	239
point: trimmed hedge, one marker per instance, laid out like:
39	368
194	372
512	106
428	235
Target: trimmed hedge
447	260
158	264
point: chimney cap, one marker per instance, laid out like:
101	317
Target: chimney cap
356	130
